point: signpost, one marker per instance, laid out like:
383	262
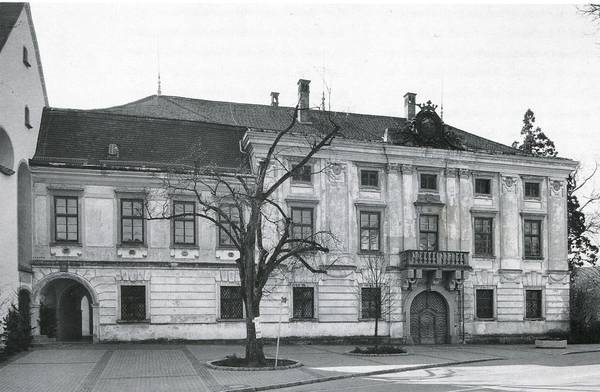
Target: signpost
283	301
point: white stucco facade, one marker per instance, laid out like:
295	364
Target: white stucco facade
22	90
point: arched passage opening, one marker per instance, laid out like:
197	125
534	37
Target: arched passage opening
66	310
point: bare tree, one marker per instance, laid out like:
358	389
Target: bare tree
245	205
584	223
591	10
376	289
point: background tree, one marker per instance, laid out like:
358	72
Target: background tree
376	290
244	205
591	10
580	246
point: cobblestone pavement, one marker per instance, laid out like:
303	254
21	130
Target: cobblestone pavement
181	367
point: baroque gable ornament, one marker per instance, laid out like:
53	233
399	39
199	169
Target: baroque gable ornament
556	188
427	130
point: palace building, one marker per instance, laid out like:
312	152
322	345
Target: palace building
474	233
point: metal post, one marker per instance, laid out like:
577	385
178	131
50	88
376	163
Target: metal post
283	301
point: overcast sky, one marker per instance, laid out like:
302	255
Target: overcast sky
493	62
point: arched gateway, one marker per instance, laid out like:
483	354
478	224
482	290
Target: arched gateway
429	318
65	308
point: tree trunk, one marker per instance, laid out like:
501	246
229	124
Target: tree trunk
254	346
376	325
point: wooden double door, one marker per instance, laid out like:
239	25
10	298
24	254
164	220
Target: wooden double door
429	319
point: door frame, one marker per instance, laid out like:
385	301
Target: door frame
452	309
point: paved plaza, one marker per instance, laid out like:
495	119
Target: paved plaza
181	367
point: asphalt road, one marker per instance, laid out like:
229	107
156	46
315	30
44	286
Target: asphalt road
577	372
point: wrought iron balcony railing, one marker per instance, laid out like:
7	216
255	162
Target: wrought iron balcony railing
441	259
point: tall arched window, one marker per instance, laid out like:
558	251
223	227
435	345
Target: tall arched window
6	154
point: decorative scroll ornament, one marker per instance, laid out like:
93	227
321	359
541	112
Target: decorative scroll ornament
508	184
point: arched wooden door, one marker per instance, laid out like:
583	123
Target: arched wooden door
429	319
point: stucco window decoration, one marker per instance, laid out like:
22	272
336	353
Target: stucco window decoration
532	190
370	231
184	223
303	174
304	302
483	232
369	178
483	186
428	232
533	304
532	238
302	222
370	302
233	217
132	221
66	219
484	302
428	182
133	303
232	305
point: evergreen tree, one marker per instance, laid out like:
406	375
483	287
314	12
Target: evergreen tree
536	143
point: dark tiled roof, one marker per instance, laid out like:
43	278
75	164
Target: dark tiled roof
9	14
81	137
363	127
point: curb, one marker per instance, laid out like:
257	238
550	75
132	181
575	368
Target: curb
353	375
582	352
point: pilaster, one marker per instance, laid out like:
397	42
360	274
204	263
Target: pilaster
509	224
408	208
557	225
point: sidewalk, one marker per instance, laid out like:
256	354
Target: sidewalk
181	367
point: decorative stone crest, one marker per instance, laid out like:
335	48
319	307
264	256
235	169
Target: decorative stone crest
451	172
336	171
509	184
464	173
556	188
408	169
393	167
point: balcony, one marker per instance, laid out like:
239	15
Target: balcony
441	259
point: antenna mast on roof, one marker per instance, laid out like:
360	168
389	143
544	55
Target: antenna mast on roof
158	90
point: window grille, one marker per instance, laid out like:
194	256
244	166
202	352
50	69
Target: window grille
133	303
485	303
533	303
371	302
232	305
304	302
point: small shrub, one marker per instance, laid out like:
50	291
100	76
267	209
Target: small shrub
379	349
17	331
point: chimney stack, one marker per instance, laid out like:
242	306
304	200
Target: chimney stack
274	98
303	100
409	105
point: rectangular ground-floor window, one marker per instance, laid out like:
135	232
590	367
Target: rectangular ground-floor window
304	302
370	302
533	304
133	303
232	305
484	303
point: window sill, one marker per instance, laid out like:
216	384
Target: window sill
370	319
534	319
540	258
370	252
146	321
484	256
66	243
231	320
132	245
302	184
369	188
226	247
486	196
485	319
184	246
310	320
